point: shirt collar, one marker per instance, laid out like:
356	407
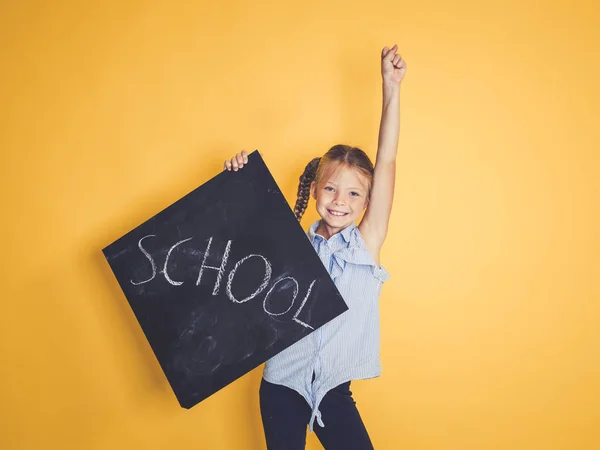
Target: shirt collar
345	232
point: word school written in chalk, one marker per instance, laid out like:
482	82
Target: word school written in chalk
221	270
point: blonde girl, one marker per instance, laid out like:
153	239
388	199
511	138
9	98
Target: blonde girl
310	381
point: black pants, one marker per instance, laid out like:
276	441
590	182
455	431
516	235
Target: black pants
285	416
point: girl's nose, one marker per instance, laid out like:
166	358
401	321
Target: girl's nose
339	199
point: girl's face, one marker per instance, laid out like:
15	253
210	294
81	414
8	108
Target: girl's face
341	196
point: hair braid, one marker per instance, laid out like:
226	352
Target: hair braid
306	179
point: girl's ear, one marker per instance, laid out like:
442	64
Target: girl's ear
313	190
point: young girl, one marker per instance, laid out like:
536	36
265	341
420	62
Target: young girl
310	380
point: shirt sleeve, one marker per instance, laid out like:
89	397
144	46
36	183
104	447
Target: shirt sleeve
357	254
380	273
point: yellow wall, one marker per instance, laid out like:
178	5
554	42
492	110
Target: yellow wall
111	111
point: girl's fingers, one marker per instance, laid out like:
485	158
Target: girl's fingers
237	162
389	54
392	51
240	160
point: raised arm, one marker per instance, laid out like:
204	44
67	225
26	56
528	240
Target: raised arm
374	224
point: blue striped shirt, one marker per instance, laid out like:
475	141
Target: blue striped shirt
346	348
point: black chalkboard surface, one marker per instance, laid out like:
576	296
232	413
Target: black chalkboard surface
222	280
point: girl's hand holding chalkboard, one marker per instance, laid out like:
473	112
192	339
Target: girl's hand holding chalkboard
237	162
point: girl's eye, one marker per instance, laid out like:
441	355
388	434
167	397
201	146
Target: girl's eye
328	187
356	194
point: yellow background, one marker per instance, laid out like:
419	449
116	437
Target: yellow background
111	111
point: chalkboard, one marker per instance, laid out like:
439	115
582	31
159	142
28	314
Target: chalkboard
222	280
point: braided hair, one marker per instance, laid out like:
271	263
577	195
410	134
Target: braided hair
307	177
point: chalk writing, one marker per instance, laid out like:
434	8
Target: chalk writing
147	255
221	270
166	273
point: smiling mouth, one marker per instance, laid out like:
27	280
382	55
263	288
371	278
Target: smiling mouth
337	213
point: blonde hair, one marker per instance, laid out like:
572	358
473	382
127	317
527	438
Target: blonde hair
352	157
